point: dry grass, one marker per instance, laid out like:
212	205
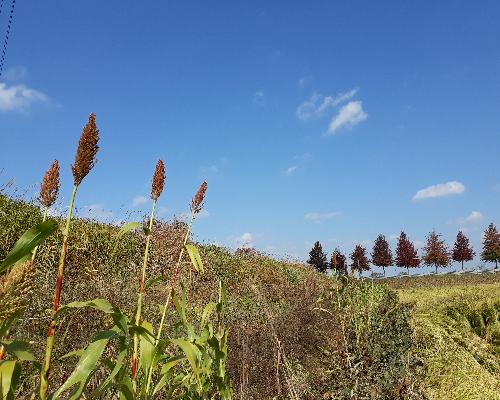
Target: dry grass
460	364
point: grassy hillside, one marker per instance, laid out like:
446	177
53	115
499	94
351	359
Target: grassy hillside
293	333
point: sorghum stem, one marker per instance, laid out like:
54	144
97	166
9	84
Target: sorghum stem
169	296
56	301
141	294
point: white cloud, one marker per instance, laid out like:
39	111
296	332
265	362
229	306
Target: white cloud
97	211
320	217
305	80
393	236
258	98
440	190
318	104
19	97
474	216
291	170
349	115
302	157
139	200
245	240
186	216
203	214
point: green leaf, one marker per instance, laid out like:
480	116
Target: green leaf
194	255
146	347
27	242
152	281
10	371
8	323
86	366
191	351
98	304
116	368
20	349
128	227
165	369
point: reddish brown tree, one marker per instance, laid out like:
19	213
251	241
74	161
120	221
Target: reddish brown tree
406	255
436	251
359	260
462	250
491	245
338	263
381	255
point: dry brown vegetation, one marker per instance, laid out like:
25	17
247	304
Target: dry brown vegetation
281	344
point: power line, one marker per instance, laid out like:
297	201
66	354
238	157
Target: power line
7	34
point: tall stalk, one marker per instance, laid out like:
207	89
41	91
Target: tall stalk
56	301
140	294
196	207
156	190
84	162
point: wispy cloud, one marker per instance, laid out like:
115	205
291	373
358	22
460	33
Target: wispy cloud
291	170
139	200
216	167
302	157
440	190
259	98
245	240
348	116
473	217
17	73
318	104
185	216
305	80
19	97
98	212
320	217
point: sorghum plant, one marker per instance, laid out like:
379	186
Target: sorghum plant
85	160
156	190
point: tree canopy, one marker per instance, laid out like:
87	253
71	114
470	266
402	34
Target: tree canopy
491	245
359	260
462	250
317	258
381	254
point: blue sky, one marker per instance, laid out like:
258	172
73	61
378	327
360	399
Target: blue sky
309	120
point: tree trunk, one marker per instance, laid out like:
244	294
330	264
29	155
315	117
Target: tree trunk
408	270
436	268
462	265
383	269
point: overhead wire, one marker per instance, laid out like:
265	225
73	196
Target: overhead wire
7	33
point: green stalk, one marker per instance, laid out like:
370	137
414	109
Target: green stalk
169	296
56	302
140	296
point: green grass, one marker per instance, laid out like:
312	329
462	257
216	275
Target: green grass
460	363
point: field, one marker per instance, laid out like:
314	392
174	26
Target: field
293	333
461	354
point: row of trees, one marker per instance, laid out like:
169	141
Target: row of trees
435	253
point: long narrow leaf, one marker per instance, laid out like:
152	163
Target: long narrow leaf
10	372
27	242
86	365
18	348
191	351
195	257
